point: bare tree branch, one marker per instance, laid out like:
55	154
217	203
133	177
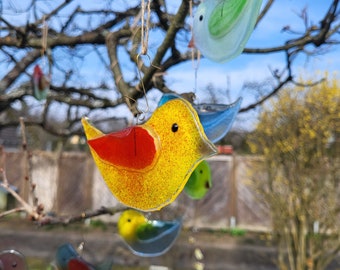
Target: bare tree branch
19	68
119	32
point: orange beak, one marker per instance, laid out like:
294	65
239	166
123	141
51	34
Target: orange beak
191	43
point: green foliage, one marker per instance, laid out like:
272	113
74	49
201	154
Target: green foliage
237	232
234	231
99	224
298	138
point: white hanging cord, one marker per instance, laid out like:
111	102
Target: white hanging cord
145	27
195	59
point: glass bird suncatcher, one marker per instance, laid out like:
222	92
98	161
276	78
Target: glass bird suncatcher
221	28
41	84
199	182
79	264
216	119
12	259
147	166
64	254
147	238
67	258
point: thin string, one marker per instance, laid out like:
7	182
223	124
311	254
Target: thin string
44	40
196	66
144	51
142	29
145	27
46	54
195	59
142	113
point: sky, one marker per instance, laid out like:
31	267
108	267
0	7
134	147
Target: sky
234	74
246	68
251	67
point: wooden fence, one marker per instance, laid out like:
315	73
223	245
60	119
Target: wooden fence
70	183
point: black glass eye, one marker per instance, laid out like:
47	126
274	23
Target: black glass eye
174	127
201	18
201	171
129	220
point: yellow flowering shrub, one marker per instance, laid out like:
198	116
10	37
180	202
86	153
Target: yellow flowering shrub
301	122
298	137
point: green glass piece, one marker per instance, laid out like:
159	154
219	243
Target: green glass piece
146	231
224	16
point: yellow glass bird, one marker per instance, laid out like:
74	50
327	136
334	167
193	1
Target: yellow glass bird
128	223
147	166
147	238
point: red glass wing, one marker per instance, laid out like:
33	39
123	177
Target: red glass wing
133	148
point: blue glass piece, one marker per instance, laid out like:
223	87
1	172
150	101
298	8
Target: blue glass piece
64	254
216	119
166	97
67	258
156	240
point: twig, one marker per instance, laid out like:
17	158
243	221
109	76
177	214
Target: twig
28	208
27	168
23	133
41	219
3	164
37	214
51	220
35	211
11	211
4	184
